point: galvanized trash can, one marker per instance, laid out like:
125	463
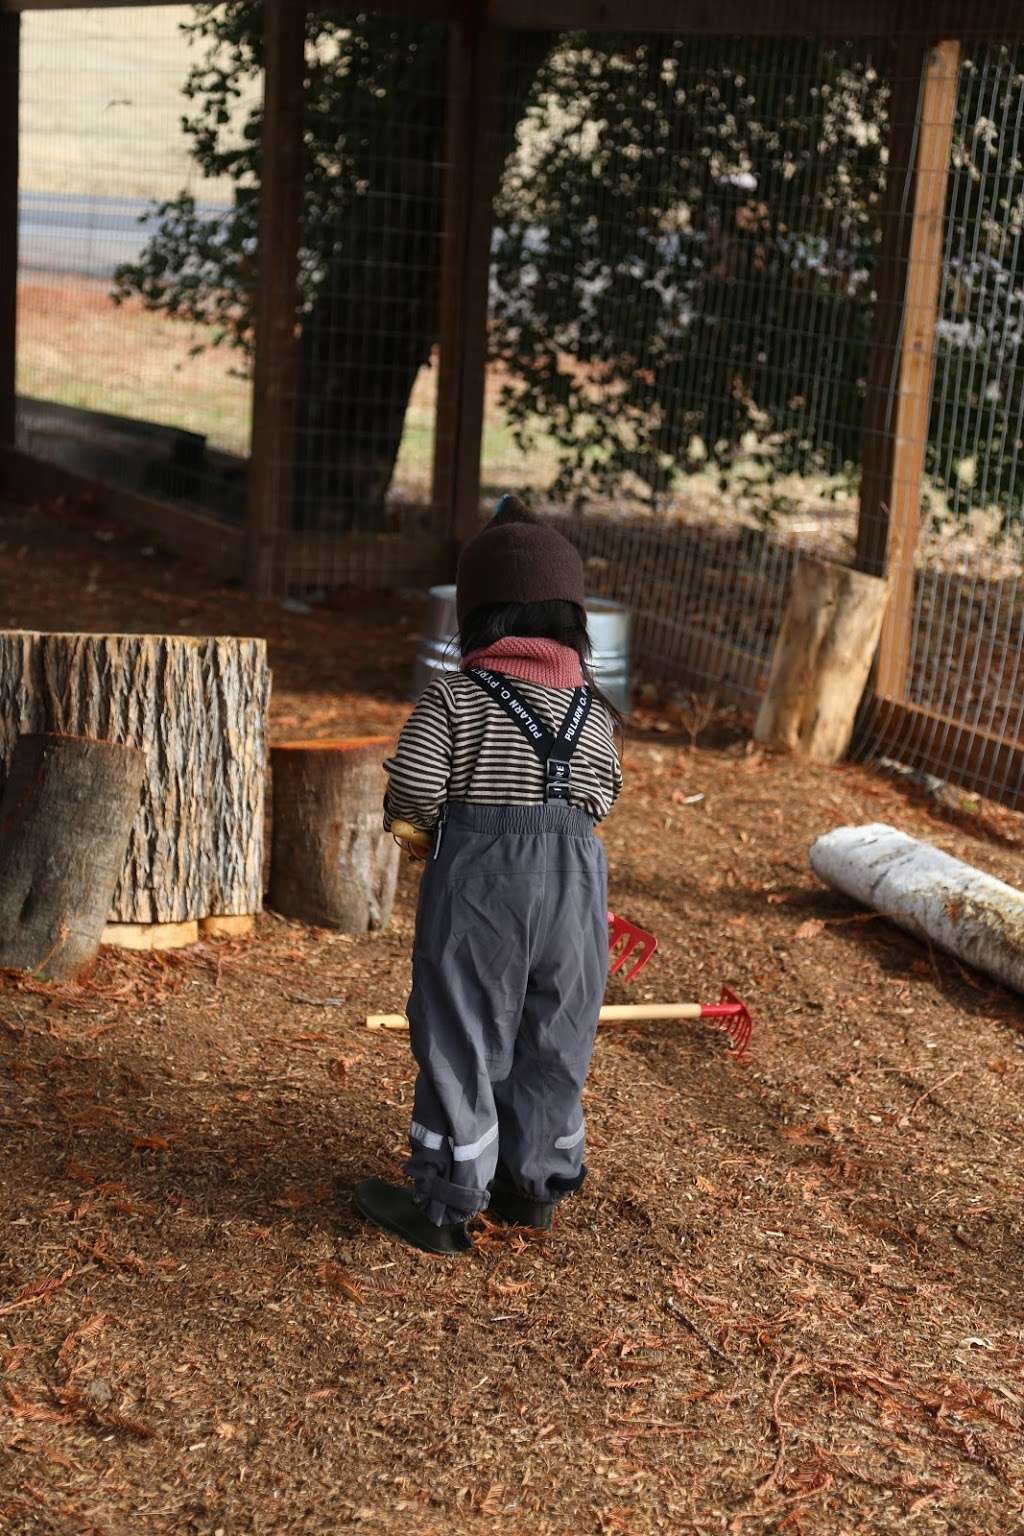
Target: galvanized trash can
608	623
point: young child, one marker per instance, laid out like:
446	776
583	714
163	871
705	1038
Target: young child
509	763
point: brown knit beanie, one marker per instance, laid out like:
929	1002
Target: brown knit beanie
517	559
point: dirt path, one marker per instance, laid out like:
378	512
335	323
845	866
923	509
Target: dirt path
788	1300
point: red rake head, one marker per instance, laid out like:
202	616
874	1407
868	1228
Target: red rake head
625	939
732	1015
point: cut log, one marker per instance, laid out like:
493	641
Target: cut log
196	708
65	819
821	660
332	863
933	896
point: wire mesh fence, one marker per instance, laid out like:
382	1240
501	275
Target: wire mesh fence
681	322
112	389
690	260
749	298
371	250
959	667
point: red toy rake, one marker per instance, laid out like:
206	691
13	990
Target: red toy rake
624	940
730	1014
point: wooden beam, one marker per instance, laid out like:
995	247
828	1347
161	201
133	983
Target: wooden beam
999	20
374	560
413	10
471	180
188	534
426	10
454	239
10	31
898	405
272	449
963	754
996	19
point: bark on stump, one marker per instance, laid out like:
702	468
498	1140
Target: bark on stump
65	818
821	660
332	863
196	709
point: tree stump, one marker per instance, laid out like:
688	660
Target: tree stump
65	818
821	660
332	863
196	709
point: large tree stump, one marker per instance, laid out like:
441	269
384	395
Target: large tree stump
331	862
196	708
821	660
65	818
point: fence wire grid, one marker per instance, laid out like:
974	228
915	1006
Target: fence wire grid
691	361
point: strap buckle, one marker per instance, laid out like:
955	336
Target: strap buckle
557	774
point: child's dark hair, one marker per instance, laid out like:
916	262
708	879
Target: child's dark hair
557	619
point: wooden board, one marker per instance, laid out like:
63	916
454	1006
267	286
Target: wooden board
180	530
963	754
998	19
148	936
228	927
767	18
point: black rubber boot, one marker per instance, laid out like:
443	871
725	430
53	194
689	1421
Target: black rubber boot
394	1209
510	1205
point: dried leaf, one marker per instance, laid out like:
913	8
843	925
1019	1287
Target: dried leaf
338	1280
810	929
36	1290
92	1325
80	1174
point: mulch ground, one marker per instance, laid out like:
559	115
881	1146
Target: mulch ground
789	1298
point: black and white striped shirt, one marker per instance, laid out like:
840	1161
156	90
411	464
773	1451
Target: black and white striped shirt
458	744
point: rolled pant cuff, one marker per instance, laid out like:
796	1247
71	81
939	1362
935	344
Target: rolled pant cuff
444	1203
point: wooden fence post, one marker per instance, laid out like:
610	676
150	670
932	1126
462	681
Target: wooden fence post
10	39
898	405
471	179
272	444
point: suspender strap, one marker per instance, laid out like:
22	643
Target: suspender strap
556	770
553	752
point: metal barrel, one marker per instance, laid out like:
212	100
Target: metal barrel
607	622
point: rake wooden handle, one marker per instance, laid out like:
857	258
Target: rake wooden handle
612	1013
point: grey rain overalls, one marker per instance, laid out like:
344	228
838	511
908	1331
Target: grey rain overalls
510	962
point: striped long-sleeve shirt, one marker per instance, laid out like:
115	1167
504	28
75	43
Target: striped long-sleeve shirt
458	744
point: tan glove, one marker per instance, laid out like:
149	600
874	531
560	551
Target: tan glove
412	840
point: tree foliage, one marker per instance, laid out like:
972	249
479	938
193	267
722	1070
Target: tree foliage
685	257
686	236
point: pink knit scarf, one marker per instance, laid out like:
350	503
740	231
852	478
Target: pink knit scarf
530	660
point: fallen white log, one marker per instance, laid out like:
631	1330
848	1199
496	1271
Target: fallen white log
933	896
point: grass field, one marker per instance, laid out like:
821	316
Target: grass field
76	348
101	103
